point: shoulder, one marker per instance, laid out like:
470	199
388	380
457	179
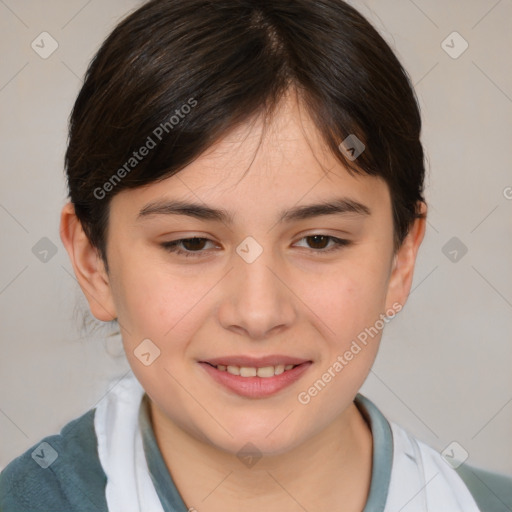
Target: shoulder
62	472
490	491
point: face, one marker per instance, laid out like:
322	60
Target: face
252	277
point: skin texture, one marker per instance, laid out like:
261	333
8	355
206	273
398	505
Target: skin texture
292	300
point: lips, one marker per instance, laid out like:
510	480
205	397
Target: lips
255	362
255	377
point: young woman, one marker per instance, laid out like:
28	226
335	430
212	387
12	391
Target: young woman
246	201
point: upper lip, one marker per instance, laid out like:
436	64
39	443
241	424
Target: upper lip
254	362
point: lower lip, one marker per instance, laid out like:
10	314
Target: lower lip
256	387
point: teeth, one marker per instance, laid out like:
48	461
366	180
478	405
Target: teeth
264	372
279	369
248	372
234	370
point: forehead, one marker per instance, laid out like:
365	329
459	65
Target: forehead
269	164
283	145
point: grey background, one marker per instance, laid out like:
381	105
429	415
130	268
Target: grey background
443	370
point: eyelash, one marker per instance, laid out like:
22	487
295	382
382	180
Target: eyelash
172	247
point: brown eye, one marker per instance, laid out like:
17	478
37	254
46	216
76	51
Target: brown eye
320	243
191	246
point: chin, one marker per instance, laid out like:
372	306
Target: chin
265	438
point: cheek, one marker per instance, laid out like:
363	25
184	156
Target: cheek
155	304
347	299
349	305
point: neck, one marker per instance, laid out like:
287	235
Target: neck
329	469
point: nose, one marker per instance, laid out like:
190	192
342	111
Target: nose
257	301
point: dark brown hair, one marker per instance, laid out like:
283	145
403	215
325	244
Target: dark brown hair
174	76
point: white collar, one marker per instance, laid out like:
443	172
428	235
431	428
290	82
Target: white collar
421	481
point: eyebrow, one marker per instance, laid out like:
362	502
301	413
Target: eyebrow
337	206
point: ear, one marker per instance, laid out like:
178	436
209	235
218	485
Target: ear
404	260
88	266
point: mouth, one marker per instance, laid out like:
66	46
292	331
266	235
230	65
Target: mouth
255	378
264	372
